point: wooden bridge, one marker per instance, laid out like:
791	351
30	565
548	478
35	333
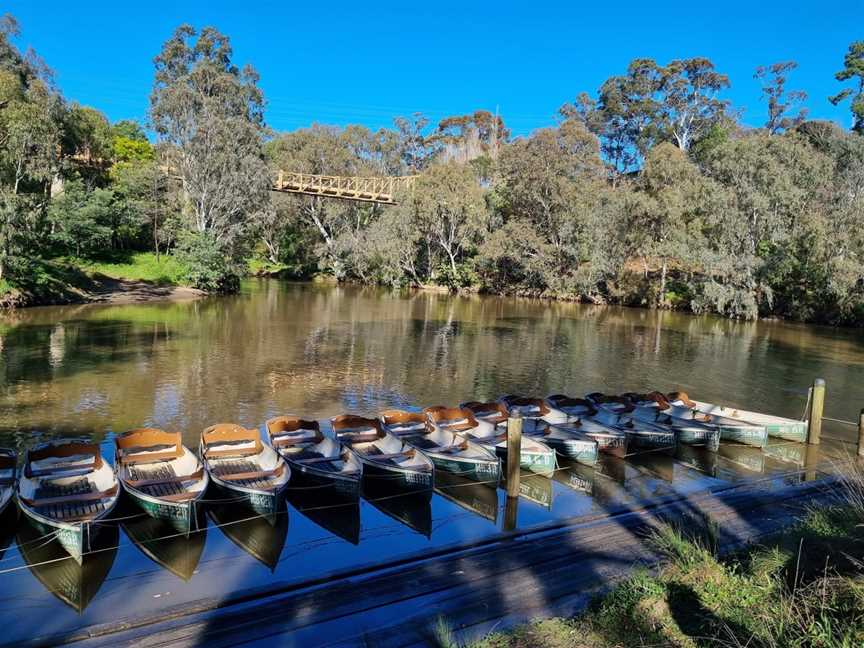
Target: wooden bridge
377	190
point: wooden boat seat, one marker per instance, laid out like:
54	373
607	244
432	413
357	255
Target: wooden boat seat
164	476
313	460
148	445
359	437
446	449
229	434
246	473
60	468
70	499
294	438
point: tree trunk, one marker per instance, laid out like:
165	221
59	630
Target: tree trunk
661	298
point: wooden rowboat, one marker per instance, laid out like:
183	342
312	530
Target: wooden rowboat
161	476
68	489
687	431
730	429
385	458
641	435
315	459
485	424
8	473
246	470
556	428
777	426
447	450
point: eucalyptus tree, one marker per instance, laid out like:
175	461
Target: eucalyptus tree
784	107
31	117
449	207
550	183
666	226
853	69
211	114
689	101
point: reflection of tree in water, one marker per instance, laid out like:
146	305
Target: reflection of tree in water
305	349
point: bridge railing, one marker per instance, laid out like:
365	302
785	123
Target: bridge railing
380	190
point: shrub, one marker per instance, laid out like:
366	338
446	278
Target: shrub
207	266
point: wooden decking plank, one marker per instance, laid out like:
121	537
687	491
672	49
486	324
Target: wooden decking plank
428	586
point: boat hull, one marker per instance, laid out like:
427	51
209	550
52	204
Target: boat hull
650	440
304	475
378	475
701	436
183	516
776	426
584	451
483	470
266	504
541	461
76	538
756	436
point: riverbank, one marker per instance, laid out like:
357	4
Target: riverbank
803	587
133	278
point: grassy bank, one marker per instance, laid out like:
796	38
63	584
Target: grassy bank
63	280
805	588
137	266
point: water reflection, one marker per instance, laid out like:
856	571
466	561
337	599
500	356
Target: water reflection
160	542
73	583
332	512
261	536
478	498
92	371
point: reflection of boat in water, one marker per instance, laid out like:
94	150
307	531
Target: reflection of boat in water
411	509
746	457
160	542
8	522
481	499
657	464
340	515
74	583
261	536
731	462
574	475
534	488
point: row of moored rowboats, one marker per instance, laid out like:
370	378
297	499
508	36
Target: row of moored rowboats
66	488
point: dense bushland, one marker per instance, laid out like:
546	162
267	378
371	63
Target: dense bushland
652	192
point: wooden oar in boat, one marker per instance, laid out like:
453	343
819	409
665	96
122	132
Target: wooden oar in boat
448	451
66	488
315	460
245	469
387	460
161	475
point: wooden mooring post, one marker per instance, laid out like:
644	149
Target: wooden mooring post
817	405
514	452
861	434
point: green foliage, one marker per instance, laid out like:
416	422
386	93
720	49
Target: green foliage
853	69
138	266
206	266
125	149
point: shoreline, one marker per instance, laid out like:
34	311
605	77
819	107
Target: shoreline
105	290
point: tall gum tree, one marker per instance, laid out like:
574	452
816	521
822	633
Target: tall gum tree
212	115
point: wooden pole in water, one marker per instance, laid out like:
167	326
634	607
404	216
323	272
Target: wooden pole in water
514	452
817	404
511	513
861	434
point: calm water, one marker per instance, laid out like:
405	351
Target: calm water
283	348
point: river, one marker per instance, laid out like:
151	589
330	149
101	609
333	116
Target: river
318	351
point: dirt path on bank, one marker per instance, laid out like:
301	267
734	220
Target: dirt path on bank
106	290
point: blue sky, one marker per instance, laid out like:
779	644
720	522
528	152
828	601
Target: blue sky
340	63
